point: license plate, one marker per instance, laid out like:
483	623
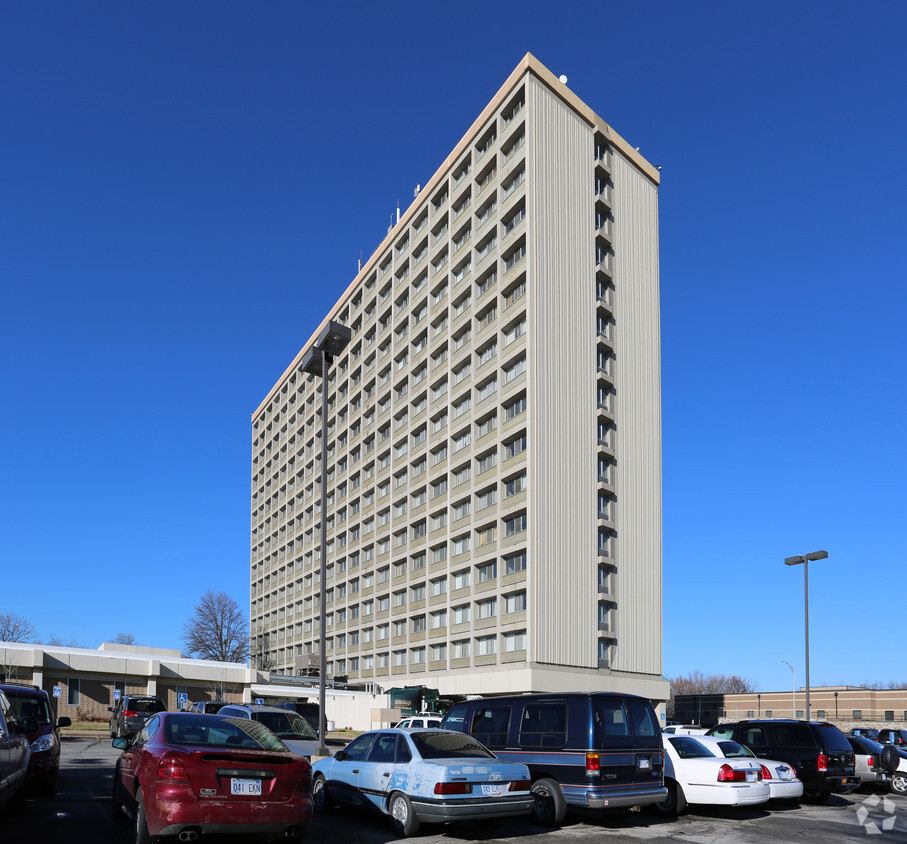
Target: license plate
751	776
248	788
643	764
491	790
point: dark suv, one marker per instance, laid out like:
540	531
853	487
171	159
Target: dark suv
896	737
44	765
819	752
131	712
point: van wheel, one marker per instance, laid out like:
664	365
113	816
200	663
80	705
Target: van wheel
549	808
675	803
898	784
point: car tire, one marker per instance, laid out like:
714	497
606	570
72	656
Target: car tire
890	759
321	798
403	817
675	803
898	784
815	795
142	835
549	807
113	732
116	794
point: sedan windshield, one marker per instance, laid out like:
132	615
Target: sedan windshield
688	748
732	750
213	731
444	745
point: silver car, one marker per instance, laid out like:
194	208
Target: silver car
867	757
289	727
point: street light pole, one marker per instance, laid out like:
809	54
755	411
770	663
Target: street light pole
805	560
793	703
331	341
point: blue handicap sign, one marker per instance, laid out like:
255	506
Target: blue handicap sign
58	691
182	699
260	701
116	694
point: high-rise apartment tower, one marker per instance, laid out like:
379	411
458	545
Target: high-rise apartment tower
494	447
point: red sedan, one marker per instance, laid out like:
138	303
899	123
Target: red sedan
187	775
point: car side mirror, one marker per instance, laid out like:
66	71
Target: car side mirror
64	721
339	756
120	743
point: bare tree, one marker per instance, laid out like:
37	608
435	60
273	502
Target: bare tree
123	639
60	642
218	630
697	683
15	628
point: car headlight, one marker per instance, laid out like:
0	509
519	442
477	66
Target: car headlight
43	743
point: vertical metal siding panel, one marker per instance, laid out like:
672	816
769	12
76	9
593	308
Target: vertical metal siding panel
638	417
561	397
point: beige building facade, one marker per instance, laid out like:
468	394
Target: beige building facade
494	437
846	706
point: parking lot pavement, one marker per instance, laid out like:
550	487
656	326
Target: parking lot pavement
81	813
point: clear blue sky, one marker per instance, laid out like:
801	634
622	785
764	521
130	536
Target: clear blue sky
185	189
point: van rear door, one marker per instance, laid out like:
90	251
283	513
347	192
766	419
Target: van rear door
630	740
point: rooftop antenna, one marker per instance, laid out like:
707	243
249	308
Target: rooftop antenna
360	260
417	191
398	210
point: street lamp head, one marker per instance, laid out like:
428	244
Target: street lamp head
333	338
805	558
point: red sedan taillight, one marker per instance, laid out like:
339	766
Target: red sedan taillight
728	774
305	777
453	788
519	785
766	773
822	763
172	769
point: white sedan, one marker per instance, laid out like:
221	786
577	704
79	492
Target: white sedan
780	776
696	774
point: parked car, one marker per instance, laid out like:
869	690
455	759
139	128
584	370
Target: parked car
868	732
598	750
892	736
209	707
780	776
413	722
894	760
188	775
130	712
696	774
685	730
422	776
290	728
44	764
819	752
308	711
15	753
868	764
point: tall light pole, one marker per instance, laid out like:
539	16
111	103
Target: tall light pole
332	340
805	560
793	702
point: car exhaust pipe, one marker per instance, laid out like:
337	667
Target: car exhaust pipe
189	835
292	832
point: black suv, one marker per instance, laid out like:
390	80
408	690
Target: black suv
819	752
131	712
896	737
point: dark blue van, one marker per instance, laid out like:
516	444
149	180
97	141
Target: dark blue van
596	750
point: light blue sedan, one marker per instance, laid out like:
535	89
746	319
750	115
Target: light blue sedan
417	776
